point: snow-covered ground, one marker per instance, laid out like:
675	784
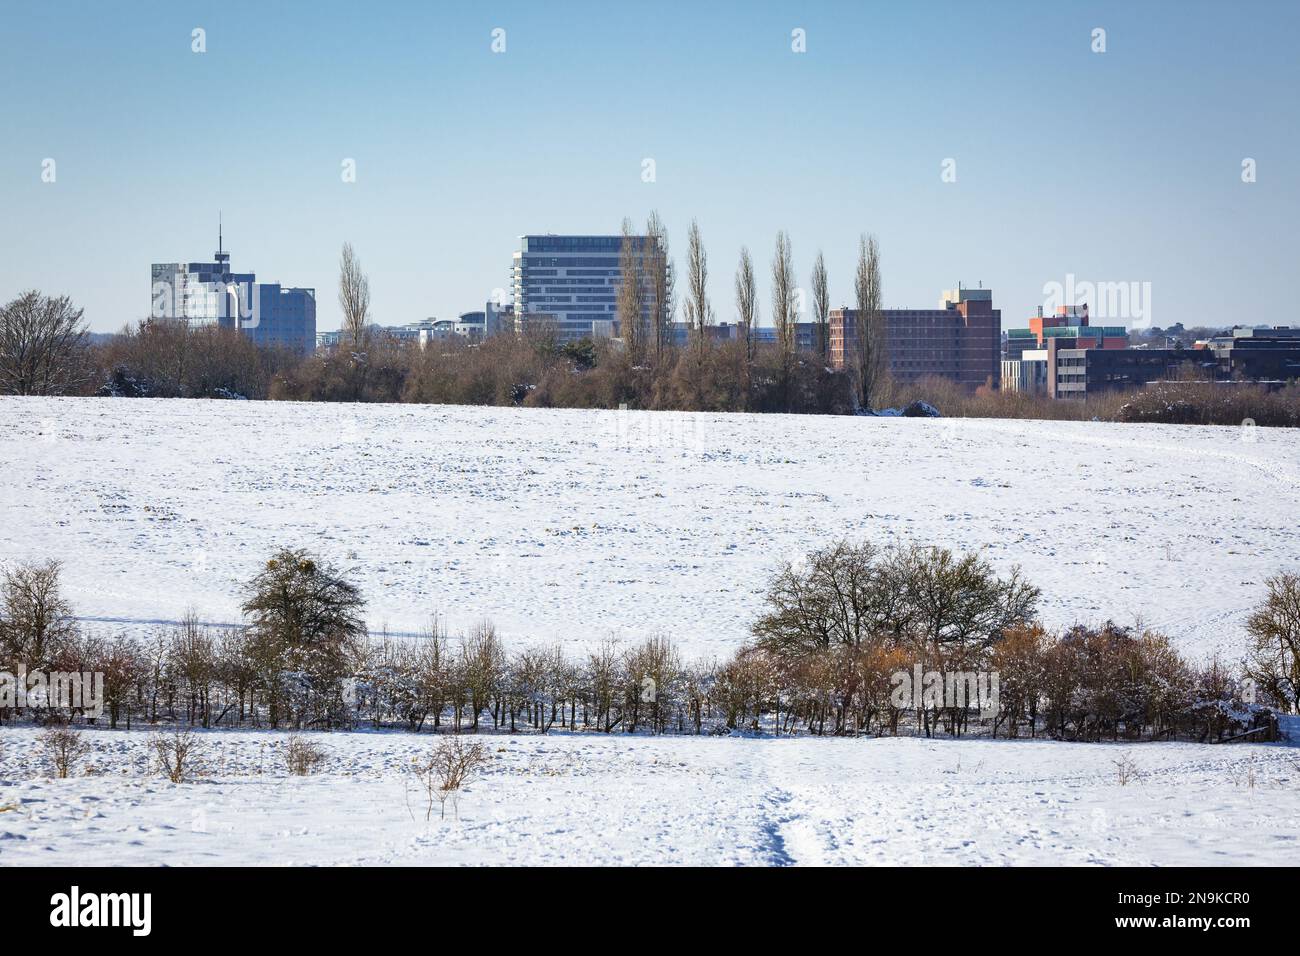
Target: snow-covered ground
571	525
669	800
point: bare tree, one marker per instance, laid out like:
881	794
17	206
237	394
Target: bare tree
1274	628
354	296
661	283
452	763
193	660
784	294
849	595
605	676
747	309
36	621
482	664
873	359
540	331
123	665
41	342
432	661
557	681
821	308
698	312
653	670
784	308
630	300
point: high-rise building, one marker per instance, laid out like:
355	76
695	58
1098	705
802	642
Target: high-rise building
961	340
572	283
202	293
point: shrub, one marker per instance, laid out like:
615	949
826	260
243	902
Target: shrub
1212	403
178	753
168	359
1126	770
301	755
64	748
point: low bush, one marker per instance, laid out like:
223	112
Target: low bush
178	753
301	755
64	749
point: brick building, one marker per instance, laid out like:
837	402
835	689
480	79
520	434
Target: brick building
961	340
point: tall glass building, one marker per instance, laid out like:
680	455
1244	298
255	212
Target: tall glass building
209	293
572	282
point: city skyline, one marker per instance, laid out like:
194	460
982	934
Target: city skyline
1122	166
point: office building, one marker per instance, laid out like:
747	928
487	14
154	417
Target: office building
1270	356
1070	325
571	283
1026	374
209	293
961	340
1076	373
1255	353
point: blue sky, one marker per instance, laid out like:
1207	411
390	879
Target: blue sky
1123	166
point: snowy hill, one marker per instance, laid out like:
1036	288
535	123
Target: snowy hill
570	525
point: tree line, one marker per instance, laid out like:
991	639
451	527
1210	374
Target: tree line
838	630
841	623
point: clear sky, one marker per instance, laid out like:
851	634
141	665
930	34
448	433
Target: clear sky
1122	166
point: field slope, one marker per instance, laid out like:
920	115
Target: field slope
570	525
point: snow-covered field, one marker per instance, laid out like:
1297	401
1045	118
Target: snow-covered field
668	800
571	525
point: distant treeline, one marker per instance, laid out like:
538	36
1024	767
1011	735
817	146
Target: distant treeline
44	350
168	360
834	653
536	370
